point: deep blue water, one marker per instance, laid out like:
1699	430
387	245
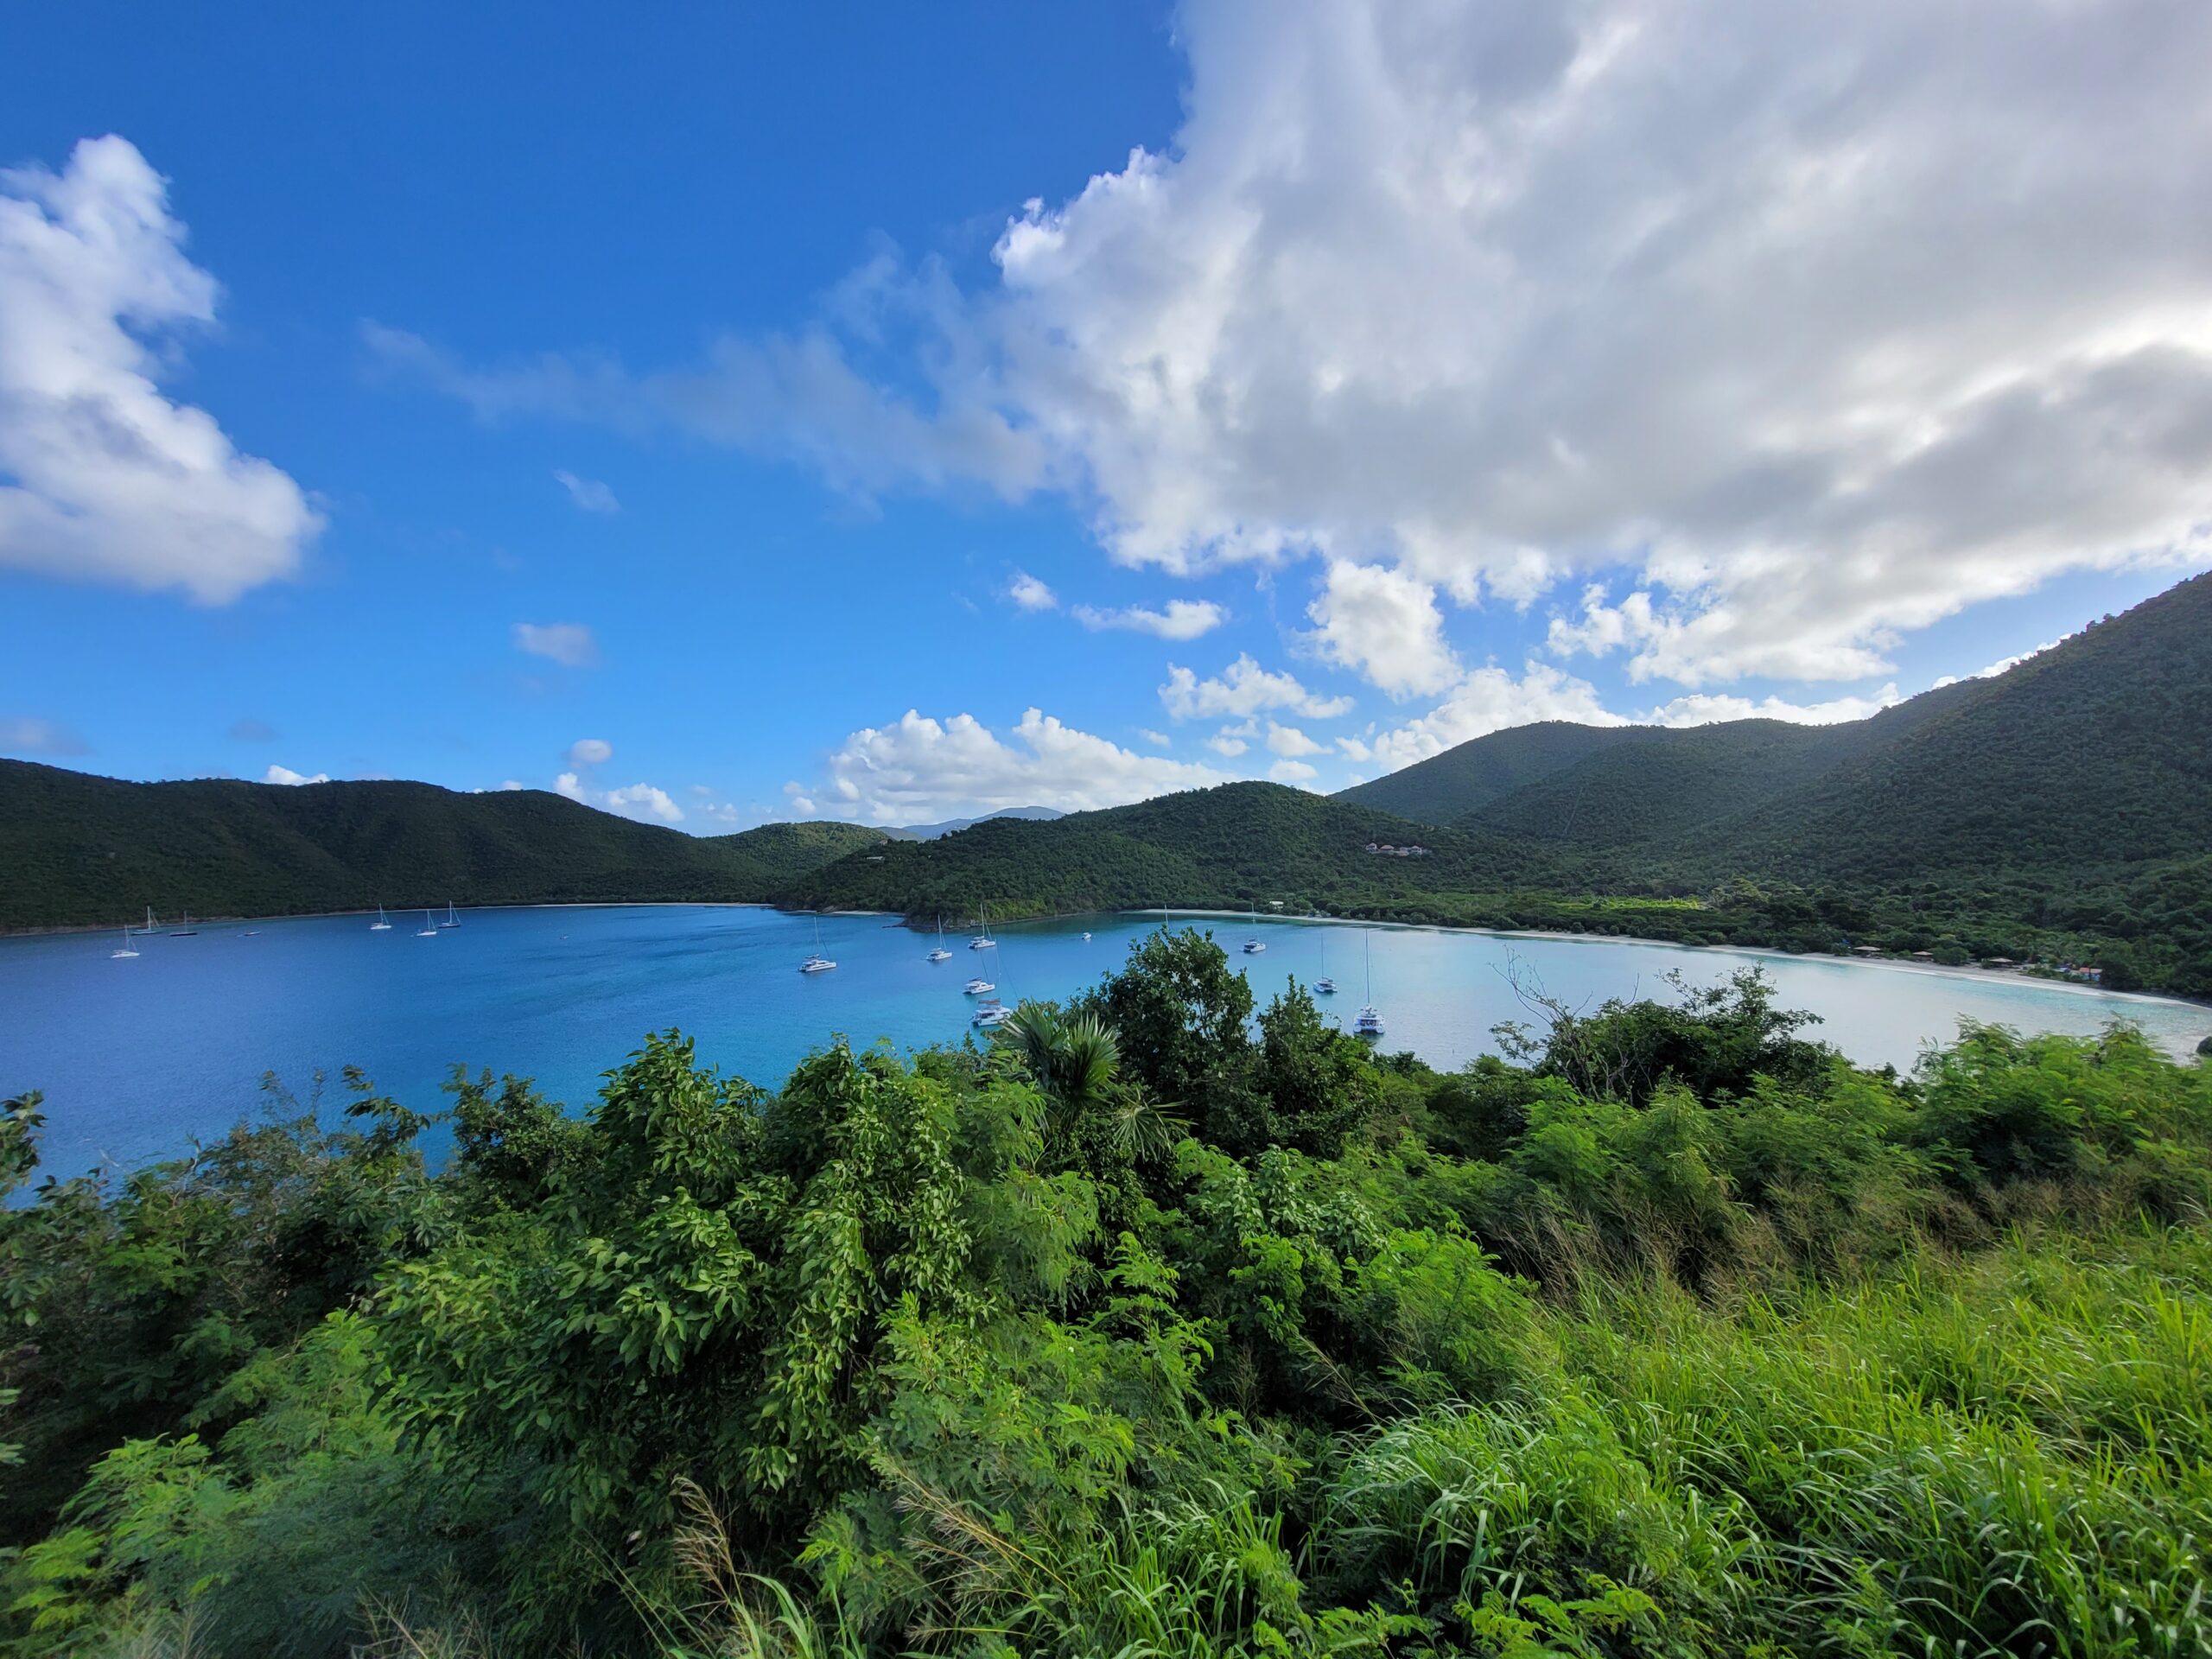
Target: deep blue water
137	1058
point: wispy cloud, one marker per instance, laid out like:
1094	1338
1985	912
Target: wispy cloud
23	735
588	494
1181	618
569	644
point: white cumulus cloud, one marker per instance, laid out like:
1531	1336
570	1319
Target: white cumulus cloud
2003	664
1706	707
1243	689
1233	741
1385	624
103	478
569	644
641	802
919	769
1029	594
1489	699
1810	324
590	752
286	775
1181	618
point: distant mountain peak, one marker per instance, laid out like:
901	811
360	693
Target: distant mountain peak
953	826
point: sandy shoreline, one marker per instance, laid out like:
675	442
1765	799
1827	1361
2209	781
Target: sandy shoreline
1982	976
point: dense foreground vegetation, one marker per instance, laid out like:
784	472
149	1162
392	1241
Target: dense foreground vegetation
1156	1327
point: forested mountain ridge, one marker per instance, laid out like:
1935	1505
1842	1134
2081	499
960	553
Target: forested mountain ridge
1229	846
2063	808
2092	753
79	849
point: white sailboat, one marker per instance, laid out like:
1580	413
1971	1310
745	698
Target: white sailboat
992	1012
382	924
150	921
453	919
1325	986
124	952
982	941
940	954
816	964
430	928
1370	1022
1254	946
977	987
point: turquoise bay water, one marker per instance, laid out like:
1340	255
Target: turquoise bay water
137	1059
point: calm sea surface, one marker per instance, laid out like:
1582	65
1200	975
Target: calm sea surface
137	1059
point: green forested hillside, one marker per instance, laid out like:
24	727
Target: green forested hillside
1446	787
2089	757
1160	1325
82	849
1235	845
2063	810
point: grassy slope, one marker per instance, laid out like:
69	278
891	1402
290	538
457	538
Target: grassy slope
85	849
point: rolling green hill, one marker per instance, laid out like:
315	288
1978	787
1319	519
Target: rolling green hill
1235	845
81	850
1448	787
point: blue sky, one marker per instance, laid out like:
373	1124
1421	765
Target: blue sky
662	406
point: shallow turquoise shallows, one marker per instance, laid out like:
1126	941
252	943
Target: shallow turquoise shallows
139	1058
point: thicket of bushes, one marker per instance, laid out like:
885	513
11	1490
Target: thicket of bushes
1160	1325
